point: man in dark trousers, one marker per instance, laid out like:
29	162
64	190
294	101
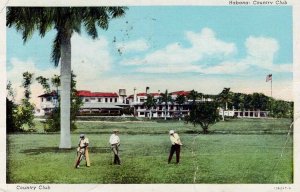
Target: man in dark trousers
176	143
114	141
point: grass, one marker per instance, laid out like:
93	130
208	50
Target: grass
237	151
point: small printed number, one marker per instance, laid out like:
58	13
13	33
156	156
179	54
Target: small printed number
283	188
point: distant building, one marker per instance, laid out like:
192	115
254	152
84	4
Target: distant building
48	102
161	109
100	103
244	113
114	104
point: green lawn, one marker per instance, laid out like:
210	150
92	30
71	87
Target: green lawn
237	151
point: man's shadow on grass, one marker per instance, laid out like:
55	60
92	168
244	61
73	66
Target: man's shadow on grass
43	150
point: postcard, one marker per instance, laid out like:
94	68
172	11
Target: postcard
150	96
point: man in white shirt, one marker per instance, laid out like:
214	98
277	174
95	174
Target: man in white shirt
114	141
176	143
82	150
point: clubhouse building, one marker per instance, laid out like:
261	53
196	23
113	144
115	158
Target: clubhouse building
119	104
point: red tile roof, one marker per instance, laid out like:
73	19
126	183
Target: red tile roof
184	93
84	93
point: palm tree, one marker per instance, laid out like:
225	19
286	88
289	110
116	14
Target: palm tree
193	95
44	82
224	97
55	80
66	21
180	99
165	98
150	103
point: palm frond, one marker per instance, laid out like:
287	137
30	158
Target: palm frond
117	11
55	55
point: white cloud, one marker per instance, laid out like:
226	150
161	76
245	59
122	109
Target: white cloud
90	57
131	46
206	43
226	67
261	51
175	58
203	44
169	69
15	77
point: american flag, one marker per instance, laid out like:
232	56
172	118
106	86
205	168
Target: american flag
269	78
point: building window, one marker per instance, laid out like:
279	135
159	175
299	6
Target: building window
42	99
116	100
93	98
99	100
105	100
86	100
111	100
142	113
48	98
142	100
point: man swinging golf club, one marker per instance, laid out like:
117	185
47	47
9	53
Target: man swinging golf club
176	143
82	151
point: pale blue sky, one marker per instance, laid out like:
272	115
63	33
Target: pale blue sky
175	48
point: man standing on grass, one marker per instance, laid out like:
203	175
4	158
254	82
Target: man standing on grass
176	143
114	141
82	150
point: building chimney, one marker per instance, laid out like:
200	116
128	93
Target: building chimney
134	95
147	90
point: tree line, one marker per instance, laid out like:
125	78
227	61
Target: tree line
204	109
20	117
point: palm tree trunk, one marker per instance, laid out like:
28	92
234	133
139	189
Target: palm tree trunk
165	112
65	72
223	115
180	112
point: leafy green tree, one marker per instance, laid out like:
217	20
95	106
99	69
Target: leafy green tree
24	113
53	121
11	108
44	82
248	105
10	117
281	109
237	101
66	21
259	101
10	92
203	114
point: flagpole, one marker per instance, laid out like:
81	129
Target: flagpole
271	86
